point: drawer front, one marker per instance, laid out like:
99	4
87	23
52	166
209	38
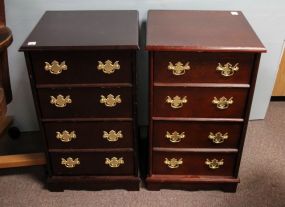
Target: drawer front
85	102
199	102
89	135
82	67
196	134
193	163
202	67
95	163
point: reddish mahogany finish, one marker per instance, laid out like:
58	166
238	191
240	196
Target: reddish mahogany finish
202	71
199	102
201	31
204	39
196	134
81	39
193	163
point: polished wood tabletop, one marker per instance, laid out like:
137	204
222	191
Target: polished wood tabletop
201	31
85	30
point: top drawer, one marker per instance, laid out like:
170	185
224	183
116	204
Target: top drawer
195	67
82	67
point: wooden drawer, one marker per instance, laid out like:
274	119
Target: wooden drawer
86	135
82	67
92	163
188	134
203	67
199	102
192	163
85	102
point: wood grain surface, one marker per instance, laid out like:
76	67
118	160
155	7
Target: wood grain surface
85	30
185	30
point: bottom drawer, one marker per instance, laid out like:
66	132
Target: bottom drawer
193	163
92	163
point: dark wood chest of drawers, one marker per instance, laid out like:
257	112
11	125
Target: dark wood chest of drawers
82	66
203	68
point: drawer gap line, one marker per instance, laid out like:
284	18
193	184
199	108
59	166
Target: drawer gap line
202	85
109	150
160	149
197	119
81	85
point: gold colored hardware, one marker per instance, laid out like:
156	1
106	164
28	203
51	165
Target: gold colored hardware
223	102
173	163
66	136
214	163
218	137
114	162
175	136
55	68
176	102
112	136
108	67
227	70
110	101
70	162
178	68
60	101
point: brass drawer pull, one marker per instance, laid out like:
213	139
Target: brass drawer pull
108	67
110	101
218	138
112	136
70	162
228	69
60	101
178	68
175	136
214	163
55	68
176	102
173	162
114	162
223	102
66	136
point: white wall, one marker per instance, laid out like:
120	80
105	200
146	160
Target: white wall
266	17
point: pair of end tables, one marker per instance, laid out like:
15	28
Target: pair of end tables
203	68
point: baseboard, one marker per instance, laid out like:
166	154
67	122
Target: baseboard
277	98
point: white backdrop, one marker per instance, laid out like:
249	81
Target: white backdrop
266	17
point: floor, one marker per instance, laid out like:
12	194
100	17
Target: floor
262	176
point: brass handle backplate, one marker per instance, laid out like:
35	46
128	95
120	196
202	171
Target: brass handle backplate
114	162
66	136
178	68
173	162
176	102
55	68
108	67
228	69
70	162
60	101
110	100
175	136
218	138
223	102
112	136
214	163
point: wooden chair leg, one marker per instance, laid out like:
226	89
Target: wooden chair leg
5	76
